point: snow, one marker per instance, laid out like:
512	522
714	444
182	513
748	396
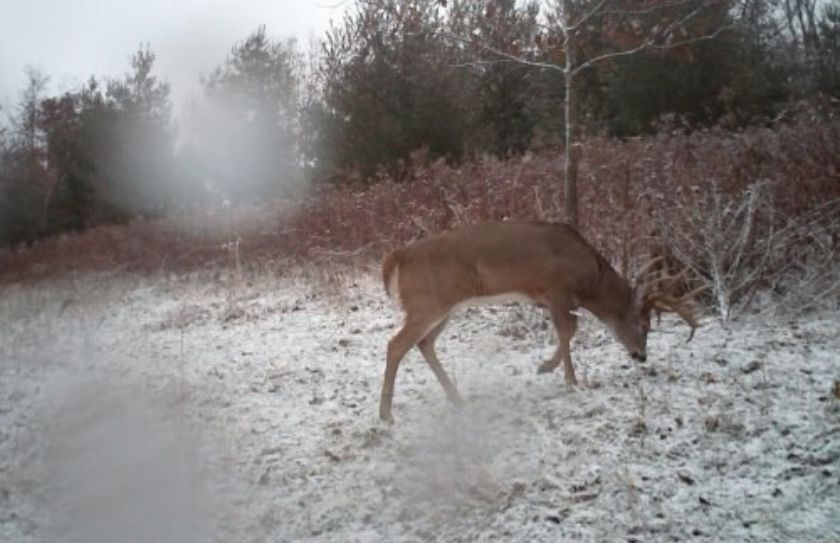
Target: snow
222	409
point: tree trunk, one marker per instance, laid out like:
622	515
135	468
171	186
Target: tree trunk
570	198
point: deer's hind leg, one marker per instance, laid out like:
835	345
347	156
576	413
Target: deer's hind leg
416	327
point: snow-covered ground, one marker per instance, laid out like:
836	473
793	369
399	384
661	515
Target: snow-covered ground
187	410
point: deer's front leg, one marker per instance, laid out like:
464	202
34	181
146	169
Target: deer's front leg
566	325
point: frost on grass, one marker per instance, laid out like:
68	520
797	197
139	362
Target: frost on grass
202	411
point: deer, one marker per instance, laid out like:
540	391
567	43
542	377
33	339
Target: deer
542	263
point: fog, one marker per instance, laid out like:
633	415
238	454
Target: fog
190	107
70	41
118	466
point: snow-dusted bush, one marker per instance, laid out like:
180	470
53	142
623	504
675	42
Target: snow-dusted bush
741	244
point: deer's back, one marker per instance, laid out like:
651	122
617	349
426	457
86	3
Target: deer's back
491	259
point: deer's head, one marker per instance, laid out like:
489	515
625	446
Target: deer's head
648	297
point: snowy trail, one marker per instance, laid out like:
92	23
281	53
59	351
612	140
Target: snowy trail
187	411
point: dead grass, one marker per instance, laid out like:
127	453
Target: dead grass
337	229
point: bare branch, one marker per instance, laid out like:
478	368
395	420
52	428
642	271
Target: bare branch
694	40
479	63
335	5
650	43
593	12
677	23
615	54
646	11
502	54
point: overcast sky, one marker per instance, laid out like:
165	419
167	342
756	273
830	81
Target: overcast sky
70	40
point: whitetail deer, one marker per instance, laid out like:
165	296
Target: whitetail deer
547	264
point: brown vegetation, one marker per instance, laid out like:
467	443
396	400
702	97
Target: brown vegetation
627	187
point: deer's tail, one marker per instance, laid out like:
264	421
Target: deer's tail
391	273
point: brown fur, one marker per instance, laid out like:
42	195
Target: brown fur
549	264
389	263
488	259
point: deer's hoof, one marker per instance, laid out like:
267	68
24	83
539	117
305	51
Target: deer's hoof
387	418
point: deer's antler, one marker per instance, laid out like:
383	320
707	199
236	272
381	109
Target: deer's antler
642	274
663	301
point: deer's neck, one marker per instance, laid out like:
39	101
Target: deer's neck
610	298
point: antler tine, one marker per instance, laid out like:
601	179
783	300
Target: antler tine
690	295
672	305
649	266
672	282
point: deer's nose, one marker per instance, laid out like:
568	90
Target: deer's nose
641	357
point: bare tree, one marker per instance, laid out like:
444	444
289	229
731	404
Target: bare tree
801	24
593	32
739	245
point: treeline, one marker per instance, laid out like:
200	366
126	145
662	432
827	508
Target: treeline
455	78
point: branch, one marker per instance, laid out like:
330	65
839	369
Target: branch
682	22
508	56
650	43
694	40
592	61
478	63
670	28
646	11
339	4
593	12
